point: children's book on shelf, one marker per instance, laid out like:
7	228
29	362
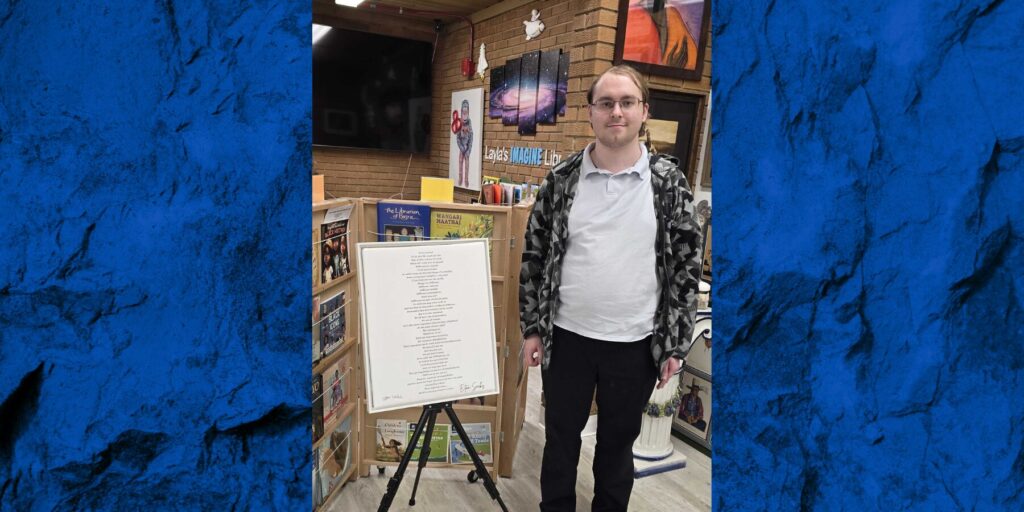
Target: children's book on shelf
480	435
318	488
316	328
456	225
398	222
316	257
438	443
318	407
391	439
336	454
336	378
334	252
332	323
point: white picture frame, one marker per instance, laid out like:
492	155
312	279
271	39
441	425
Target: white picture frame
427	322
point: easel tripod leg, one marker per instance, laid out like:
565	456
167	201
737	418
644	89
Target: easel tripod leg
481	470
396	479
424	452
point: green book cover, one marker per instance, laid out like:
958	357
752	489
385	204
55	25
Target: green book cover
457	225
438	443
480	435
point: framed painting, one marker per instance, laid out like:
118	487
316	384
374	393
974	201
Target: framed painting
694	415
663	37
465	151
673	125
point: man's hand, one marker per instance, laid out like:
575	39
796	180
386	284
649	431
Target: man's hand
533	351
668	369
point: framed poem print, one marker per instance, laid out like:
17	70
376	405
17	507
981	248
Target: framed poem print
427	321
694	416
663	37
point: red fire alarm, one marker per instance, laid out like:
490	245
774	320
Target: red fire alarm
467	67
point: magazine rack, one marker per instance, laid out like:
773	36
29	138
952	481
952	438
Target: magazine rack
346	353
504	412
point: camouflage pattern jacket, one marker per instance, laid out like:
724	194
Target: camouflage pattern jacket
678	246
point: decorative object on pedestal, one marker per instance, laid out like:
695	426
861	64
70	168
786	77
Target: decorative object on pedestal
655	440
535	26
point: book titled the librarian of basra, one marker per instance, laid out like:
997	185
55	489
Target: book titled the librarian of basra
397	222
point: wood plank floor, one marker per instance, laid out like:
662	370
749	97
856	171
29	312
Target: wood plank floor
684	490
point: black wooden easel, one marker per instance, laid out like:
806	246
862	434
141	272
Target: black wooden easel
428	418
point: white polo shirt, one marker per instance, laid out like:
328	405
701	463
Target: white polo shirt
609	288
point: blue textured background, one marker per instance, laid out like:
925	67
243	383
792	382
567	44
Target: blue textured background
154	163
868	251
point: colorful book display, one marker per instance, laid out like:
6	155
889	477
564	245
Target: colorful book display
332	323
480	435
335	379
438	443
391	439
334	261
402	222
457	225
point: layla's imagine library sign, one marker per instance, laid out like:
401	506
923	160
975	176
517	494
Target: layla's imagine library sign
522	156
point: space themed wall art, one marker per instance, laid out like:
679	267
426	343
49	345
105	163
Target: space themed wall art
530	89
528	93
497	91
510	100
547	87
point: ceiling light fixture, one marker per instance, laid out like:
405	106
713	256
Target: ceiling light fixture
319	31
349	3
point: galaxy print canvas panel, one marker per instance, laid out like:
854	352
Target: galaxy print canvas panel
547	86
497	91
528	93
510	100
563	83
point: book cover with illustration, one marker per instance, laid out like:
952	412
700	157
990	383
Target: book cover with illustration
457	225
480	435
332	323
316	328
391	438
318	407
336	454
318	488
316	257
336	392
334	252
438	443
402	222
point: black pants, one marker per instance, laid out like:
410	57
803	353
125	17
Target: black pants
624	375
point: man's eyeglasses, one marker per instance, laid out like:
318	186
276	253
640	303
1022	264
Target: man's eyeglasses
626	104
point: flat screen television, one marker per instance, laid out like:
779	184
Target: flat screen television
371	91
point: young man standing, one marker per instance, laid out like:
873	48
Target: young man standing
608	291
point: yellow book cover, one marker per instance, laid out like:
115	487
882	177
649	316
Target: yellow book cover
437	189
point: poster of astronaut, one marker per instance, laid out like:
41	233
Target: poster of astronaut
465	156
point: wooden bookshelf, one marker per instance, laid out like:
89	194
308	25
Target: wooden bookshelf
502	411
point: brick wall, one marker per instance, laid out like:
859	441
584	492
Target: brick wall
584	28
